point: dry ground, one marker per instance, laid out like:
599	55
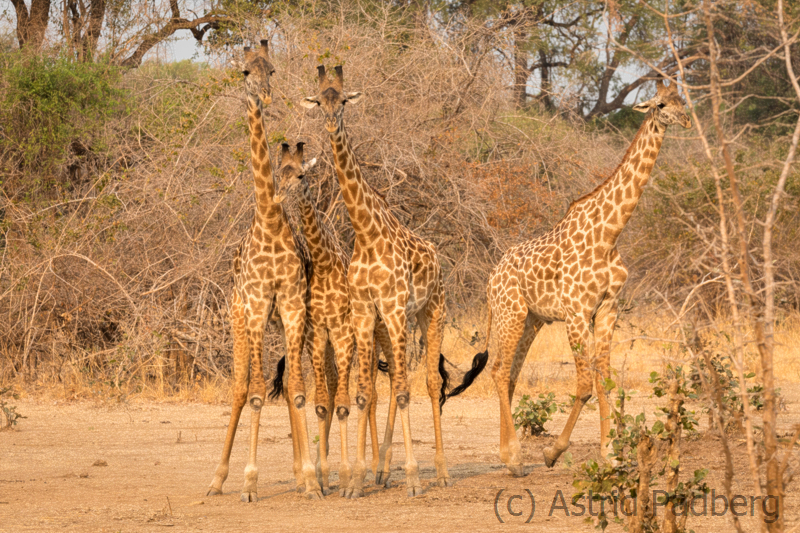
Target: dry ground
160	457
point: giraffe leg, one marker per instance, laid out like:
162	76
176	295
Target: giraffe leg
319	344
578	332
516	333
395	320
373	414
293	318
257	392
385	452
343	343
604	322
431	322
241	373
297	465
363	324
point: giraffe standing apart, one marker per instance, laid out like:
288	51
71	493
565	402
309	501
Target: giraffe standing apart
269	284
573	274
329	331
394	274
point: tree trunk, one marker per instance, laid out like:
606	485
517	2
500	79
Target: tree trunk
520	69
31	25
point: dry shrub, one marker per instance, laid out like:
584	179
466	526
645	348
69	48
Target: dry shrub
119	273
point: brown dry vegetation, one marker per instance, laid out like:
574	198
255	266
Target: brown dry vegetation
115	266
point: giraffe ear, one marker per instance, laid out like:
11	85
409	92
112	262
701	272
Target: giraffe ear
308	166
352	98
309	102
644	107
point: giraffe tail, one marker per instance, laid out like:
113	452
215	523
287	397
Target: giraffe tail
445	378
478	363
277	381
383	366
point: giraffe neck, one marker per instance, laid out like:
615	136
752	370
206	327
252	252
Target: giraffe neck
300	209
618	196
362	203
267	211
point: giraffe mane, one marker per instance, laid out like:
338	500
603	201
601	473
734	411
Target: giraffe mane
608	178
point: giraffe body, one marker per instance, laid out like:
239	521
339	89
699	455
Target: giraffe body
270	286
573	274
329	331
394	275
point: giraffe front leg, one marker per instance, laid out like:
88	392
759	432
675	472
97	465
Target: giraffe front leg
578	332
396	324
257	392
343	344
241	373
383	468
363	324
293	318
319	341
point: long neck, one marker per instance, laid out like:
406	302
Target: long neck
361	201
320	243
618	196
267	211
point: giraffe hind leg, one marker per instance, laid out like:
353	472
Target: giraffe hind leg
383	468
431	322
578	331
517	331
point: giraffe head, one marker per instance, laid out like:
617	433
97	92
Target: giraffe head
257	71
292	172
667	105
331	98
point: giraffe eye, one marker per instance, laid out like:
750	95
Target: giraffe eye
661	105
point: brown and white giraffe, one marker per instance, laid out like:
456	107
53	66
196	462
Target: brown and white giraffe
573	274
269	285
329	332
394	275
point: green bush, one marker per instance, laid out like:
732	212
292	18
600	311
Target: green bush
532	415
49	106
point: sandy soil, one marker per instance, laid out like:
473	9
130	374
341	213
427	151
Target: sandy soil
145	466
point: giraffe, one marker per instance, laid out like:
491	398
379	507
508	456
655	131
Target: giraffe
393	275
573	274
269	271
329	331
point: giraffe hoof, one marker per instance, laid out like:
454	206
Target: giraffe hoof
353	493
414	490
213	491
516	470
550	456
249	497
314	495
382	479
444	482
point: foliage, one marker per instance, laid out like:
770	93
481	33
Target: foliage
531	415
732	408
618	481
53	109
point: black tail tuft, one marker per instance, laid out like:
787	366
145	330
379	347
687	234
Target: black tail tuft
277	382
478	364
383	366
445	379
